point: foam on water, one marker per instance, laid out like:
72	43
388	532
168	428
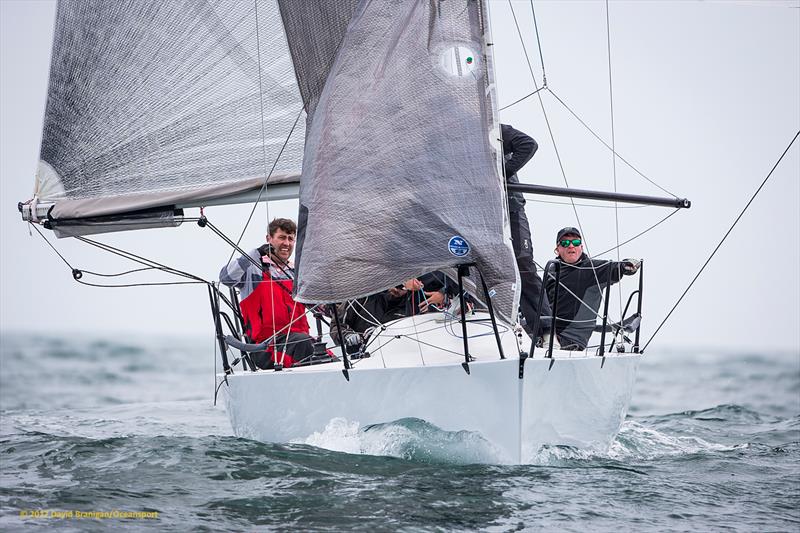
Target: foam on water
408	438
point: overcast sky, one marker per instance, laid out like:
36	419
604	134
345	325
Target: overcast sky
705	99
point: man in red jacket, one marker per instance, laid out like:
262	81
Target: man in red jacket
268	310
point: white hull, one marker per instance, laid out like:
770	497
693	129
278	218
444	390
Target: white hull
574	403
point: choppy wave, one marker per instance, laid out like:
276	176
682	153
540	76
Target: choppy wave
96	424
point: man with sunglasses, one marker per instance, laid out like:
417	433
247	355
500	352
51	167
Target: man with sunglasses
518	149
581	288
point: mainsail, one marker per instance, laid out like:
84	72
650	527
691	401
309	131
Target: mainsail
156	103
401	155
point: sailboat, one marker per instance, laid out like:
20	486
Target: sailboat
380	117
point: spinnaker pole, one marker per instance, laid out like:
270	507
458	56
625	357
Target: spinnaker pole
526	188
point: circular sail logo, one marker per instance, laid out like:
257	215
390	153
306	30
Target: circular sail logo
458	246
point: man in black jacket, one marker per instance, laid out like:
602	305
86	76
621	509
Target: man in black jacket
581	288
518	149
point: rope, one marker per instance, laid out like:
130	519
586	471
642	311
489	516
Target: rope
139	259
50	244
722	240
127	255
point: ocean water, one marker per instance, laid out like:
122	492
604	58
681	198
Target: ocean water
125	426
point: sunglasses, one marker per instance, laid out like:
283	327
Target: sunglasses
575	242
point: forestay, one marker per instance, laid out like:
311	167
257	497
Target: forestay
401	153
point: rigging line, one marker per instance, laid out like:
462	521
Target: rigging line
263	134
564	287
138	259
214	342
639	234
588	205
596	136
372	321
539	44
550	131
266	179
613	142
431	345
153	284
753	197
515	102
50	244
524	48
286	337
233	245
118	274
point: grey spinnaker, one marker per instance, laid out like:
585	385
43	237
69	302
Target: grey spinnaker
401	156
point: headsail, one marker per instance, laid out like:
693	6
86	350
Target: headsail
154	103
401	157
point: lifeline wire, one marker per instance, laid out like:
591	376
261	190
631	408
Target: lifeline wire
753	197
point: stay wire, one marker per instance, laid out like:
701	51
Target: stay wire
753	197
638	234
266	179
539	44
613	143
515	102
264	157
604	143
541	58
550	130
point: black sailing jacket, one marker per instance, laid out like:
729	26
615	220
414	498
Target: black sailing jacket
574	321
518	149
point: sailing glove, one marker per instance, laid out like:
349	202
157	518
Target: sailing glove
631	266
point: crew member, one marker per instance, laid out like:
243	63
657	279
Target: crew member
518	149
266	302
580	289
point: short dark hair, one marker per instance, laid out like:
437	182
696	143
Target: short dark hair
286	224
